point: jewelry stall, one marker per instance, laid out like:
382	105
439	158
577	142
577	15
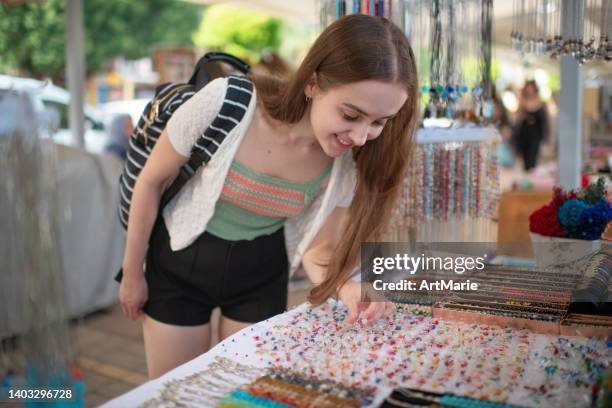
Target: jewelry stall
529	337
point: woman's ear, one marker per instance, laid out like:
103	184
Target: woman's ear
311	86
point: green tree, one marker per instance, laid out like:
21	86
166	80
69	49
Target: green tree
32	37
32	34
240	32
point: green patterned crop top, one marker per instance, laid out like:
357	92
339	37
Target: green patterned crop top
253	204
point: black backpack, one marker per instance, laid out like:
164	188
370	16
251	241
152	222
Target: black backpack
168	97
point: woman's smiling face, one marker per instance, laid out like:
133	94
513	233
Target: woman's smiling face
349	115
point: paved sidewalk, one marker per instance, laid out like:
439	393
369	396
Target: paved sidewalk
111	351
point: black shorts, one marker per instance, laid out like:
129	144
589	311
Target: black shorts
246	279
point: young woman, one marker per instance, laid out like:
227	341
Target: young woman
532	125
310	173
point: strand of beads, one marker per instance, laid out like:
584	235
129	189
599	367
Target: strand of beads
207	386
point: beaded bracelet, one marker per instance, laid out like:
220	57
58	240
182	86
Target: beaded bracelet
244	396
392	402
506	304
278	391
301	379
298	401
206	386
403	397
502	306
318	390
529	316
328	387
296	395
465	402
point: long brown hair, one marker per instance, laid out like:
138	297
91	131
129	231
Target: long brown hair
356	48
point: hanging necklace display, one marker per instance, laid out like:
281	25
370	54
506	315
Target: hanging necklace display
604	50
436	87
452	187
441	32
332	10
536	29
588	50
37	351
451	40
485	102
456	34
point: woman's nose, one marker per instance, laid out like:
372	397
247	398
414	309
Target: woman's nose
359	135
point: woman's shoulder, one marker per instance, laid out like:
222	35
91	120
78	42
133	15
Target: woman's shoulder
210	96
195	115
214	89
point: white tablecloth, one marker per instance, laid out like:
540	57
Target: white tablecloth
239	347
535	359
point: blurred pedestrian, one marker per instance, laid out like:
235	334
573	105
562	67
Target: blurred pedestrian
532	125
119	129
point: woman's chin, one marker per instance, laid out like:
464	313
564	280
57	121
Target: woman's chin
335	148
331	152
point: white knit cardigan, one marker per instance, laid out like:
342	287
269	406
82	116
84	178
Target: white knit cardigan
187	215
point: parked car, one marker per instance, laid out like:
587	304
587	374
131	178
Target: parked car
51	103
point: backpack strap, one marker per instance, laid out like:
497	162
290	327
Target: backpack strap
235	105
201	76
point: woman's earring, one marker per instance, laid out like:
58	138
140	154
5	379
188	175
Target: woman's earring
307	99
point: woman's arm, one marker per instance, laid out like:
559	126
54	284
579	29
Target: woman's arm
317	257
160	170
171	151
358	297
545	117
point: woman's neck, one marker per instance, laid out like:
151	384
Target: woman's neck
299	134
532	104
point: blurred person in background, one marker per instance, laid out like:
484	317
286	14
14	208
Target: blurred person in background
119	128
532	125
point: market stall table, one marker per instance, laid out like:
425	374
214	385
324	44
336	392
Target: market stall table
413	350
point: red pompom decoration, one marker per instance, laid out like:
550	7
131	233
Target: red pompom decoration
545	221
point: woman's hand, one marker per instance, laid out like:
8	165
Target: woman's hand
133	294
361	297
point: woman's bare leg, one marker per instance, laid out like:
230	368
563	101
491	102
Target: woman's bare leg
227	327
168	346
